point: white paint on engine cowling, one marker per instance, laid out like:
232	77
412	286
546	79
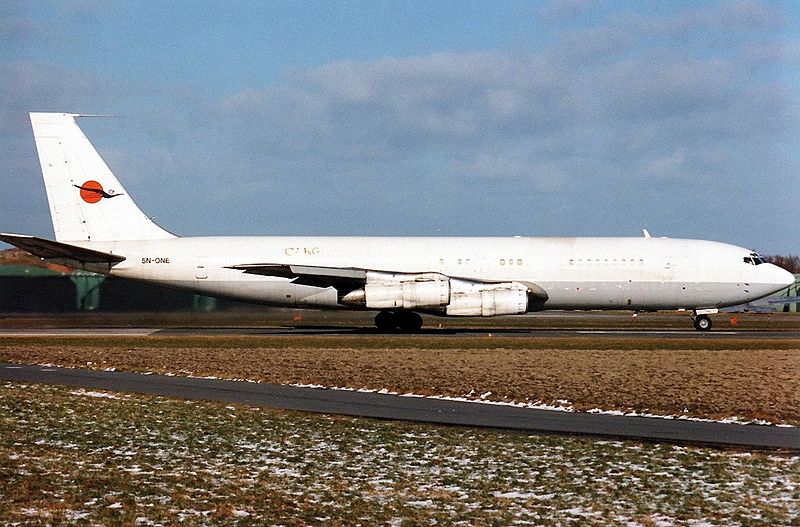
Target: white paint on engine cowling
407	295
480	299
402	291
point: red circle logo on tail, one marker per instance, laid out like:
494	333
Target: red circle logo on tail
91	191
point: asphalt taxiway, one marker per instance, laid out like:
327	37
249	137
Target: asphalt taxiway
414	408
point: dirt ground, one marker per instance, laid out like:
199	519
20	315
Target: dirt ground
747	377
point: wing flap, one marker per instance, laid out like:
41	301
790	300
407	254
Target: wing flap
49	249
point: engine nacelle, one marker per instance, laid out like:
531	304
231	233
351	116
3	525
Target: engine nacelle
402	291
471	299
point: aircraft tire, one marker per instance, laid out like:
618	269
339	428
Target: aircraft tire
702	323
408	321
386	321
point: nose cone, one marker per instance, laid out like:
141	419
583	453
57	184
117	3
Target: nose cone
768	279
778	276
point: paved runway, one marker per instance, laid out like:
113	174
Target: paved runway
766	335
418	409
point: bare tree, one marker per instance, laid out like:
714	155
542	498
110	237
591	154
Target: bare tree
791	263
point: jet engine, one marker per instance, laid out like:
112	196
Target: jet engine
471	299
401	291
440	293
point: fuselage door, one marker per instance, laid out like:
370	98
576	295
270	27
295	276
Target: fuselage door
201	271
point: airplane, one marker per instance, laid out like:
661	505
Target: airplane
99	228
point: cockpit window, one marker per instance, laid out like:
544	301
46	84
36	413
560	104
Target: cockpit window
753	259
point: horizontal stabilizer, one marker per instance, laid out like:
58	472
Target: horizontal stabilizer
309	274
49	249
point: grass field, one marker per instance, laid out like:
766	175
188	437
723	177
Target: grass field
693	375
80	457
77	457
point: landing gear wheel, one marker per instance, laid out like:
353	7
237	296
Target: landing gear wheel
702	323
385	321
408	321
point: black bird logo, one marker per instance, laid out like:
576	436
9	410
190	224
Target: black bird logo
97	191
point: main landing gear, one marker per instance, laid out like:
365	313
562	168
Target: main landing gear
702	322
407	321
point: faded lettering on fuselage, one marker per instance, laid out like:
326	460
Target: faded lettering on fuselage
296	251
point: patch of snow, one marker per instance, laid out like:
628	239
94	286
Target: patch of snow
100	395
524	495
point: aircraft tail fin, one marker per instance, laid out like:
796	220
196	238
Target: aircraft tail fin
87	202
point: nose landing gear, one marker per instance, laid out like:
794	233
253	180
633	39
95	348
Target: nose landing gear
406	321
702	322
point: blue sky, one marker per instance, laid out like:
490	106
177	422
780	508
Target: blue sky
572	117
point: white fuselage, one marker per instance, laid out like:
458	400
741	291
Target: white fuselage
576	273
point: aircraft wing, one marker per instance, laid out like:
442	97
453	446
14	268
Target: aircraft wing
49	249
338	277
346	279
